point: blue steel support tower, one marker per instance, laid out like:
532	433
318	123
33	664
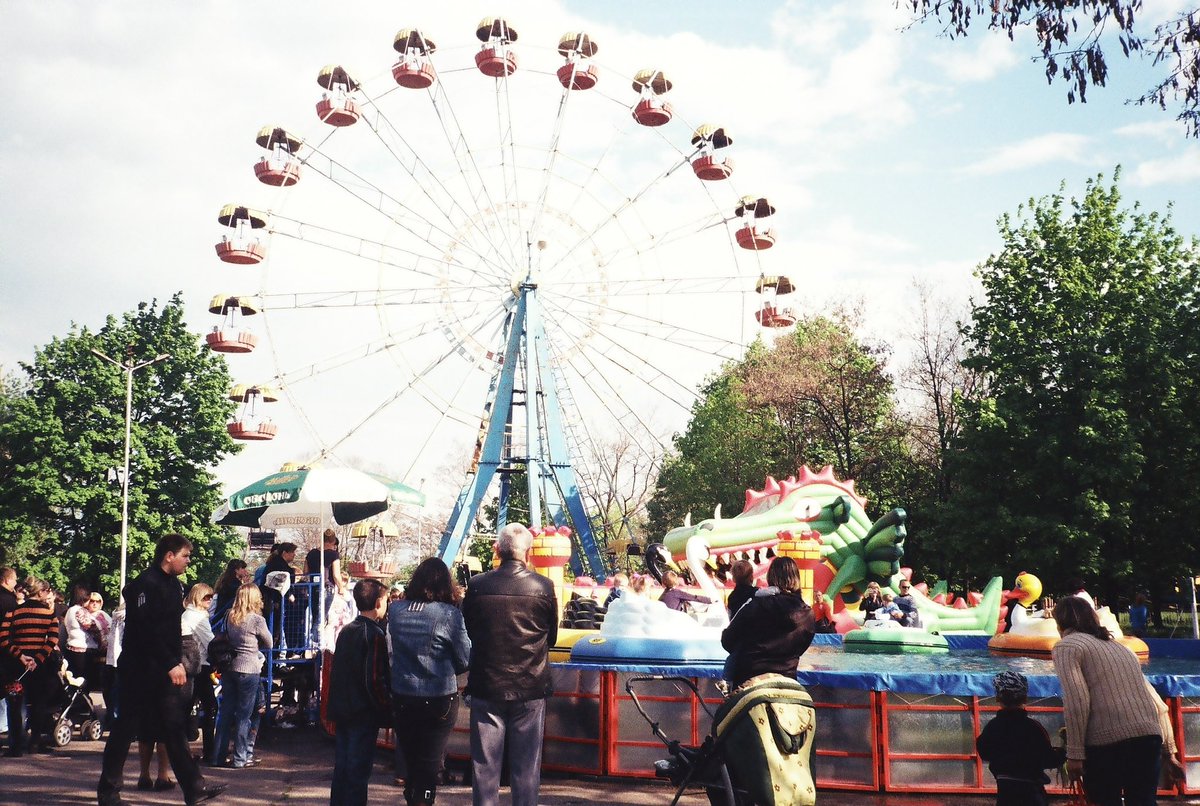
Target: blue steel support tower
550	477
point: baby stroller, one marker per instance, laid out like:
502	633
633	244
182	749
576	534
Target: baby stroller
758	752
72	709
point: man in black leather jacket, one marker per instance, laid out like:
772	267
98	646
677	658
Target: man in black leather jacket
512	619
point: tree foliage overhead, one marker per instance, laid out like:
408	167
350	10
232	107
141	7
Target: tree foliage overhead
1083	455
818	396
1070	37
62	436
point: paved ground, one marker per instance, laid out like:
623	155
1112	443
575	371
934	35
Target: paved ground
296	769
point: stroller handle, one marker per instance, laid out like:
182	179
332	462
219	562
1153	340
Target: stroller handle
692	760
630	689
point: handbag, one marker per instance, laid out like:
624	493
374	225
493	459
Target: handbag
191	655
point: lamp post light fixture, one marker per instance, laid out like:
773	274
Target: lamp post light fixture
128	367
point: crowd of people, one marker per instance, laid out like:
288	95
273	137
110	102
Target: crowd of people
400	652
146	664
499	632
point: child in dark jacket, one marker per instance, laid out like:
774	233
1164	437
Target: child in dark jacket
360	695
1017	747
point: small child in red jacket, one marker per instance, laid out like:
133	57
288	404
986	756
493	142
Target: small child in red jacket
1017	747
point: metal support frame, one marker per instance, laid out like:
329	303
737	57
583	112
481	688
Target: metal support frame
549	474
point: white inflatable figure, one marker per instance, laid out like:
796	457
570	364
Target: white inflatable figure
697	553
1024	623
1040	624
639	617
1033	625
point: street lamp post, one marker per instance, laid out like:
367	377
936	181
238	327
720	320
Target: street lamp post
128	367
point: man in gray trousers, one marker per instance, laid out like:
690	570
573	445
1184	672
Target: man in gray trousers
512	620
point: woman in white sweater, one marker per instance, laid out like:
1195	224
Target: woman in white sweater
197	632
1118	734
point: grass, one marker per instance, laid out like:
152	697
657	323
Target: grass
1176	624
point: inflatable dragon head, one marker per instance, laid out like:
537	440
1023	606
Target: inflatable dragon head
813	505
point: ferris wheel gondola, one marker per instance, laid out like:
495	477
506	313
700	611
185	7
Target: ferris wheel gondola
251	423
414	70
579	73
232	335
280	167
337	106
443	253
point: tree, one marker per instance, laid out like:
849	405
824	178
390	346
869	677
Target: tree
832	402
616	486
63	433
1082	455
818	396
1070	35
934	379
727	447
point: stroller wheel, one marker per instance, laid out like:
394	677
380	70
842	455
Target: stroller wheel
91	730
63	729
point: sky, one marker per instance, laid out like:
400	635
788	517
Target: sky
888	152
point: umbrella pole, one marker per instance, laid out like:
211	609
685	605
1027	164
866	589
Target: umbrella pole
321	622
322	615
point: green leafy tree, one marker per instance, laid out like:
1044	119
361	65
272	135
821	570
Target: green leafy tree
727	447
818	396
832	403
1071	40
1082	455
62	432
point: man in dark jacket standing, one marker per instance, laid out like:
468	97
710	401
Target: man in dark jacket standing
512	621
153	707
360	695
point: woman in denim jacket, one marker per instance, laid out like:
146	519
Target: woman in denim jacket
429	649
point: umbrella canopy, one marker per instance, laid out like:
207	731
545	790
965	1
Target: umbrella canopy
306	498
400	493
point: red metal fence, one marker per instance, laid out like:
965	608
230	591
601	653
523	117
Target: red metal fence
866	740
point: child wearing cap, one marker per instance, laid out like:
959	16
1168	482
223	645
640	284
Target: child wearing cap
1016	746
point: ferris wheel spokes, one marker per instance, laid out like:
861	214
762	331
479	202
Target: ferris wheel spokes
352	354
399	213
372	250
614	393
374	297
464	158
399	393
668	337
426	179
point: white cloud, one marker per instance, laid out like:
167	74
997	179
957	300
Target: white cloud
1164	130
1181	169
136	124
1043	149
968	62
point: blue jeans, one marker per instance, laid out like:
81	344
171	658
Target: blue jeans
354	751
519	724
239	692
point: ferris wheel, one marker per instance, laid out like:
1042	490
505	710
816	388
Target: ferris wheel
499	253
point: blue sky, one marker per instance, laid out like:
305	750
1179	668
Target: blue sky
889	155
